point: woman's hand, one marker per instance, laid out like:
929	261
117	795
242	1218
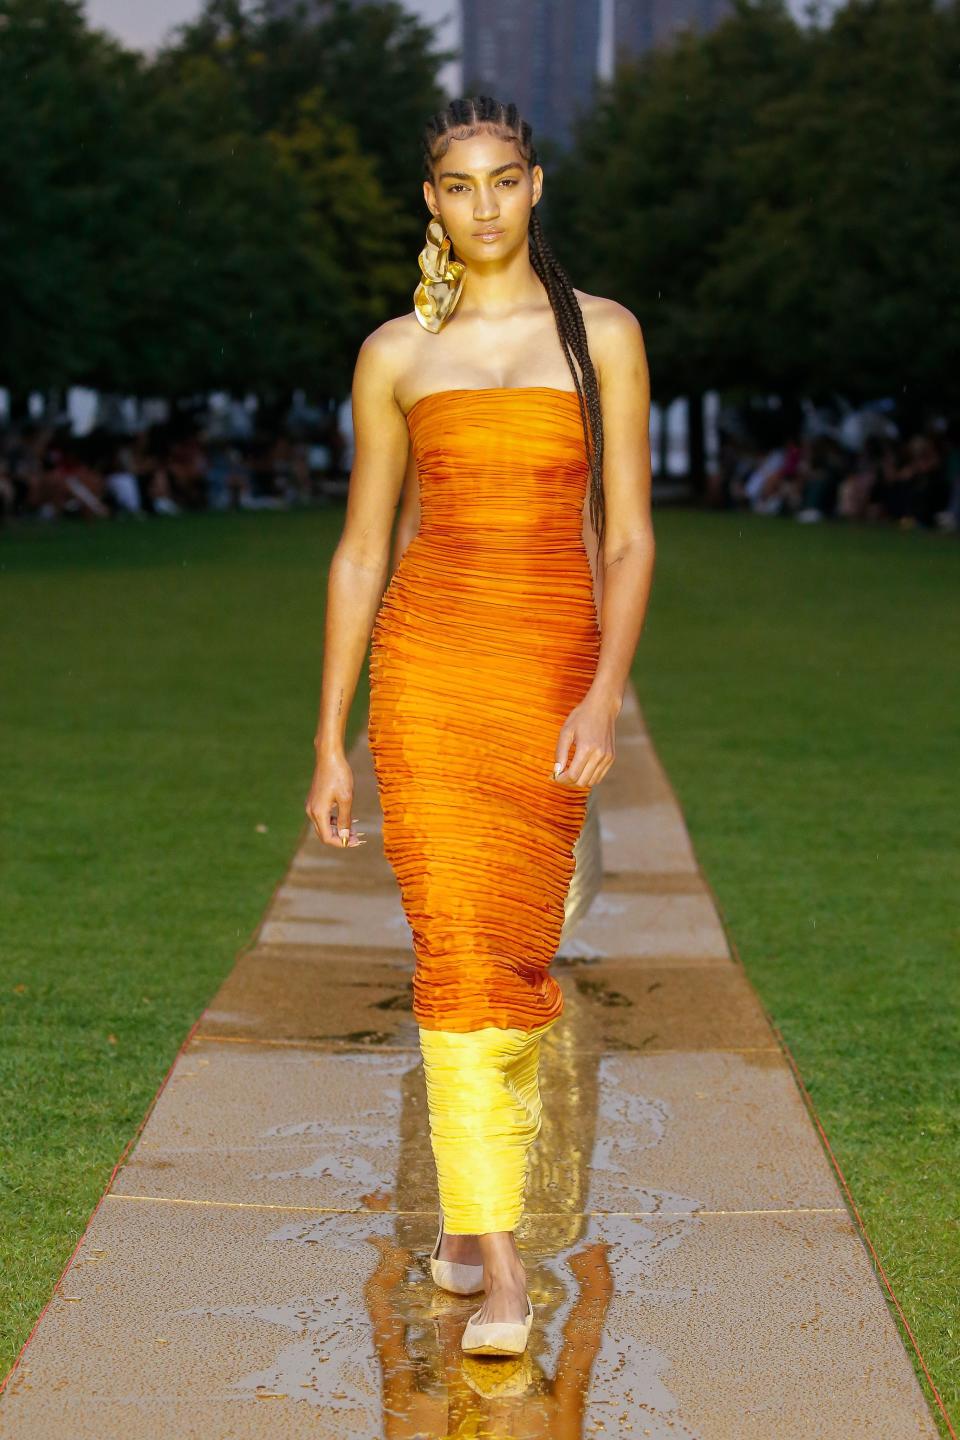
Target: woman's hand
330	801
589	729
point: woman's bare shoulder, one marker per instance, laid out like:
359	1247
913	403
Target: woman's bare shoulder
393	339
613	331
392	354
607	317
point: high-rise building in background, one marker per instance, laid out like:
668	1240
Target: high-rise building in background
640	25
545	55
541	54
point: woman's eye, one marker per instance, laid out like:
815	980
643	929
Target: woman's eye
452	189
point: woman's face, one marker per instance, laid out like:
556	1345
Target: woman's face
483	192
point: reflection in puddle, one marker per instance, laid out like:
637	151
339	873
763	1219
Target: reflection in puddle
376	1346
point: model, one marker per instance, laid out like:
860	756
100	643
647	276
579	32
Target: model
508	415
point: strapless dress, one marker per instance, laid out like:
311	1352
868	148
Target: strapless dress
485	639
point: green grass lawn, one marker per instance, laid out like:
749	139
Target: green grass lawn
161	684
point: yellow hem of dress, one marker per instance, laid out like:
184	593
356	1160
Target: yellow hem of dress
485	1112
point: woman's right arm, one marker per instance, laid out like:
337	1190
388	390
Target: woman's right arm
358	576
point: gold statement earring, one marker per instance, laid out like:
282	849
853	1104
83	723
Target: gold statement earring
435	298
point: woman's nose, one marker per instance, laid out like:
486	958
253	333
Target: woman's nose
486	208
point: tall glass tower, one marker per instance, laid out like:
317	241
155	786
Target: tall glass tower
541	54
640	25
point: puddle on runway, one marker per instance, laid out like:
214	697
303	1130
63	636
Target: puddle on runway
376	1345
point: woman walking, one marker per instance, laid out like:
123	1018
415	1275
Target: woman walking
500	651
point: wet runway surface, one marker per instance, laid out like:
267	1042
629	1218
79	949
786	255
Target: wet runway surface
259	1267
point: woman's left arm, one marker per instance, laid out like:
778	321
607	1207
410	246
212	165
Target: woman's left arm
628	549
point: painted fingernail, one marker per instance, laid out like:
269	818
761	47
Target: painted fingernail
344	836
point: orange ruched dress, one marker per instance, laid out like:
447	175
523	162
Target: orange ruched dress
485	639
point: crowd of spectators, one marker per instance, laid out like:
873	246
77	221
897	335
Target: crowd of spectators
908	481
47	472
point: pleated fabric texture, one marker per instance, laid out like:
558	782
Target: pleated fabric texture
485	639
483	1097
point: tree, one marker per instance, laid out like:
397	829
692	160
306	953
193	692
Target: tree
160	237
68	97
650	188
262	260
777	204
375	63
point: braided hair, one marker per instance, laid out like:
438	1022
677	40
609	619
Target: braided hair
461	119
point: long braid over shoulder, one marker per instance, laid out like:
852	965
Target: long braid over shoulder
461	119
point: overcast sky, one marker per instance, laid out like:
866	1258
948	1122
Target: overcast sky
145	22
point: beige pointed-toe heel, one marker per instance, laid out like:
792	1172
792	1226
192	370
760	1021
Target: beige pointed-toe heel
497	1337
451	1275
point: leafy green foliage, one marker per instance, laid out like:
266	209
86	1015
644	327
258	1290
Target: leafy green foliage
777	204
374	62
239	213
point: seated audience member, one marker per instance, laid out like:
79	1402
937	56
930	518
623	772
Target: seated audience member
915	486
856	494
949	518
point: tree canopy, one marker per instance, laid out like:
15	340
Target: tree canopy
778	203
238	212
775	202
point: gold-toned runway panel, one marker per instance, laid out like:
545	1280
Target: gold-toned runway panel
316	994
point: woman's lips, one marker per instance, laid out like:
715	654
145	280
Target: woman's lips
488	236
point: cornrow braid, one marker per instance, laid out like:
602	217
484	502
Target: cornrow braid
461	119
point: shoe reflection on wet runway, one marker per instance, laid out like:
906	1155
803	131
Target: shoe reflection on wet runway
373	1346
431	1390
429	1387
